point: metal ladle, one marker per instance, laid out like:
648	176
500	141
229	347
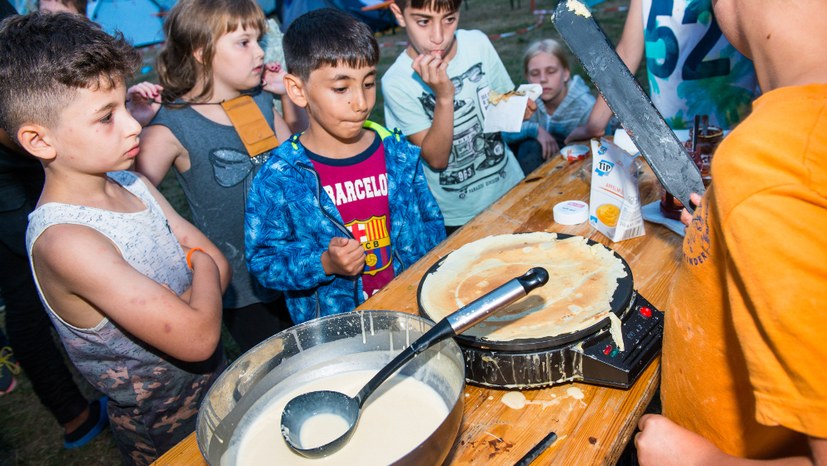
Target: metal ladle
311	404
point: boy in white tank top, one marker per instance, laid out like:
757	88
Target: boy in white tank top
133	289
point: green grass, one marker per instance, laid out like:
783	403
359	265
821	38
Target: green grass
28	433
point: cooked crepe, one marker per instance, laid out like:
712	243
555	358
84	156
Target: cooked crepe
495	97
582	281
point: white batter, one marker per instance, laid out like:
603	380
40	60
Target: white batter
400	415
514	400
578	8
322	429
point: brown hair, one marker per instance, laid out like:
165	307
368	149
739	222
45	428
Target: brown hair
549	46
46	57
438	6
194	25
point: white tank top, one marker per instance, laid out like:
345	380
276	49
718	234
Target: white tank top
147	389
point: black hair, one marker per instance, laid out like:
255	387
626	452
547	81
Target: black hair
439	6
46	57
330	37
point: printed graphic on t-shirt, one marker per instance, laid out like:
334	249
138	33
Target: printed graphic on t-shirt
692	68
696	244
357	190
476	157
358	186
231	167
374	236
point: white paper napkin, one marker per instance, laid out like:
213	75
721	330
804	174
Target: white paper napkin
508	114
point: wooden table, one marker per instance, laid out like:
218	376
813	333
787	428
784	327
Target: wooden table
593	429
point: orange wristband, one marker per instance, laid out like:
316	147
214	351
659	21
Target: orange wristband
189	256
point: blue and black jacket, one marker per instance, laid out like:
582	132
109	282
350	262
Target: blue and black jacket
290	221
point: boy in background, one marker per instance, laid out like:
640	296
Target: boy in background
743	351
343	207
436	93
109	254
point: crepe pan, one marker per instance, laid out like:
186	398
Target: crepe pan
591	355
621	300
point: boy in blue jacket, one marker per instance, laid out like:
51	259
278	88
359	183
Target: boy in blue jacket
342	208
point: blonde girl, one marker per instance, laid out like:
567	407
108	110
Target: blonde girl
564	104
212	56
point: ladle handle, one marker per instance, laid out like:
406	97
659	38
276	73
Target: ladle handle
458	322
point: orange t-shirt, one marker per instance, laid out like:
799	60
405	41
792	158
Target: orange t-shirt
745	343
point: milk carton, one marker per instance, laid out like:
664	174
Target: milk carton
614	204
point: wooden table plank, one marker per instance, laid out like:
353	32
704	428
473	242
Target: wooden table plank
184	454
593	424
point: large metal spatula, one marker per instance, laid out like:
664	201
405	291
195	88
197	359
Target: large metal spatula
657	143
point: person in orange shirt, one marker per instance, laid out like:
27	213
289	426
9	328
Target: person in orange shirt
744	354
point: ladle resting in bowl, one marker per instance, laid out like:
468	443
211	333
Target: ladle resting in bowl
332	405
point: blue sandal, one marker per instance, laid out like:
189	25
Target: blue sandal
97	421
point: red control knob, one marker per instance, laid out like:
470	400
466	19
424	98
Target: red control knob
607	350
646	311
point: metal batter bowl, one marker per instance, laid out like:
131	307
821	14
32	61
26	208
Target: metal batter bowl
365	340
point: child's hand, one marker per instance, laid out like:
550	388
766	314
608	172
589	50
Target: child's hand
344	257
143	101
582	133
201	263
686	217
272	80
662	442
547	143
530	108
434	72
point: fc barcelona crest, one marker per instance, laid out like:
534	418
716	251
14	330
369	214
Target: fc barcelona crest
374	236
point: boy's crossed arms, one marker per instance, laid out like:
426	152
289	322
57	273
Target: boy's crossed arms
85	278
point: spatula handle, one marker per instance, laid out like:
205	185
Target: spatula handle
457	322
497	299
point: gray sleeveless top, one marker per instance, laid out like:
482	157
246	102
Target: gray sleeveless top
154	398
216	187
